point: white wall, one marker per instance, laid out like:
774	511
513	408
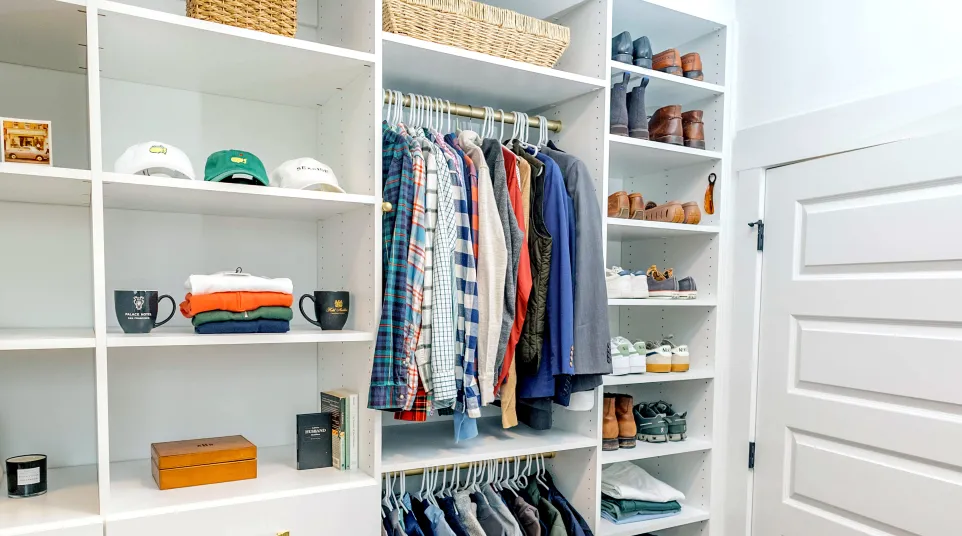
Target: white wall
797	57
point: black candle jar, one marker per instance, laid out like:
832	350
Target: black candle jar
26	476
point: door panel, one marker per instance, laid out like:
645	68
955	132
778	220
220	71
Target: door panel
859	417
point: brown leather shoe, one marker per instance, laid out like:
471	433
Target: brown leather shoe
627	430
665	125
637	211
670	212
609	425
618	205
694	128
668	61
691	66
692	213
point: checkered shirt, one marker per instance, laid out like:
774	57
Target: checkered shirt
423	354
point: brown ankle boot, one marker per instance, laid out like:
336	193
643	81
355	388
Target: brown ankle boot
609	425
626	422
618	205
668	61
666	126
694	128
637	211
691	65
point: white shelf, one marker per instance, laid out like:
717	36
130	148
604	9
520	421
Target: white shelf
631	157
48	34
687	516
622	229
478	79
36	183
645	450
426	445
134	494
651	377
71	501
157	48
666	27
665	89
659	302
186	337
46	338
163	194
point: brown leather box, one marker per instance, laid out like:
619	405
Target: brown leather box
195	462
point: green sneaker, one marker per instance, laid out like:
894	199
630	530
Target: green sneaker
677	424
652	426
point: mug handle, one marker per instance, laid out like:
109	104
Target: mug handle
300	305
173	308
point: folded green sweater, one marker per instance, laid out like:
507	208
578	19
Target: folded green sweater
622	508
261	313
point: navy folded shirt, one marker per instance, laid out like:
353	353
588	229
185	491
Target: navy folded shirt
244	326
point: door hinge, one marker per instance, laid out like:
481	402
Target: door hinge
761	233
751	455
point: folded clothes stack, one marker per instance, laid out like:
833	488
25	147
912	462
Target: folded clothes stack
629	495
236	302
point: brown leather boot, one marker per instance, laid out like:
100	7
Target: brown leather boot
627	430
665	125
609	425
618	205
637	211
693	128
691	65
668	61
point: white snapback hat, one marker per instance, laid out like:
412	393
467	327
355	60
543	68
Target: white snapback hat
155	158
305	174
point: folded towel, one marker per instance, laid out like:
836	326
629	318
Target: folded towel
233	301
236	282
261	313
625	480
252	326
615	510
630	506
637	518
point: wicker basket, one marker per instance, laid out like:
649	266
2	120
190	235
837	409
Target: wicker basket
278	17
478	27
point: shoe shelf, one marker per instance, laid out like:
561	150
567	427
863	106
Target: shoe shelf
629	155
664	89
645	450
635	379
688	515
70	503
659	302
622	229
182	336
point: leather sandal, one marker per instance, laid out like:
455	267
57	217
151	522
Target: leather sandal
671	212
618	205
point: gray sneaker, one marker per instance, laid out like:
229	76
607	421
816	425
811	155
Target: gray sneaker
677	424
661	285
652	427
687	289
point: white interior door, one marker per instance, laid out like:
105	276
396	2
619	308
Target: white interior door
859	420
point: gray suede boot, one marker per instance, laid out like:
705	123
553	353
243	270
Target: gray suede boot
637	120
619	107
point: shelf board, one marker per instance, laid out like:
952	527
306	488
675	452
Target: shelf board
47	34
622	229
161	49
477	79
644	450
660	302
687	516
635	379
665	26
426	445
35	183
71	501
133	492
186	337
46	338
665	89
630	157
164	194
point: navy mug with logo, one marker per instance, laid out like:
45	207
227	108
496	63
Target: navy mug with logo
330	308
137	310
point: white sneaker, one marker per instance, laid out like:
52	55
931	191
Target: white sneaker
639	285
620	360
657	356
680	361
636	359
618	282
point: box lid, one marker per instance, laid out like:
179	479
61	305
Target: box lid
203	451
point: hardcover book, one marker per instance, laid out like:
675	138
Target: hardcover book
314	441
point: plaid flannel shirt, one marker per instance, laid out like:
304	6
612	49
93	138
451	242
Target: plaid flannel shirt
415	269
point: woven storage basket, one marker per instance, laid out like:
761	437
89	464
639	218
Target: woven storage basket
278	17
478	27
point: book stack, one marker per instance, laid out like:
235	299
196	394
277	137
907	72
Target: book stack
342	405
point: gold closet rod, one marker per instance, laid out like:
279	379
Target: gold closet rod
412	472
466	110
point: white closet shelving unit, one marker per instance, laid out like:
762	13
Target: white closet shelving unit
109	74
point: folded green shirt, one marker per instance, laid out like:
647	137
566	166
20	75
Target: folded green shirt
265	313
622	508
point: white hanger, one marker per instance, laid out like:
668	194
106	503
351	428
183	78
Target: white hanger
542	471
542	131
448	103
390	101
501	134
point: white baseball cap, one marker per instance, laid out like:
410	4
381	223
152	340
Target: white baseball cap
305	174
155	158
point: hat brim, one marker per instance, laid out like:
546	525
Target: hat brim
230	172
323	187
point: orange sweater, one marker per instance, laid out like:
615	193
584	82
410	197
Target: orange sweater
237	302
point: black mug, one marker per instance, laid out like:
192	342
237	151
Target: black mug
331	308
137	310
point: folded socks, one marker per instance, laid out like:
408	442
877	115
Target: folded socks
261	313
244	326
237	302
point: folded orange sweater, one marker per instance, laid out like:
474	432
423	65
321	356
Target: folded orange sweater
237	302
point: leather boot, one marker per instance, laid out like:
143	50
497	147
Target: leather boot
665	125
619	108
609	425
641	49
668	61
621	48
637	119
637	203
694	128
626	422
691	66
618	205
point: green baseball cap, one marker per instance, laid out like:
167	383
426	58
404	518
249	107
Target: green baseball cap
235	166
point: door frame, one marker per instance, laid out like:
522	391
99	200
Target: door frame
923	111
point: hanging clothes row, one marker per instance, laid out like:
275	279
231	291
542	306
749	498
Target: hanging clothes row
493	272
496	498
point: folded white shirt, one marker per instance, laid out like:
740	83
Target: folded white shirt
237	282
625	480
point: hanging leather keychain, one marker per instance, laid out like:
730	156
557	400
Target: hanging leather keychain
710	194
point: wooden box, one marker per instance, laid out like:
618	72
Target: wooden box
195	462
